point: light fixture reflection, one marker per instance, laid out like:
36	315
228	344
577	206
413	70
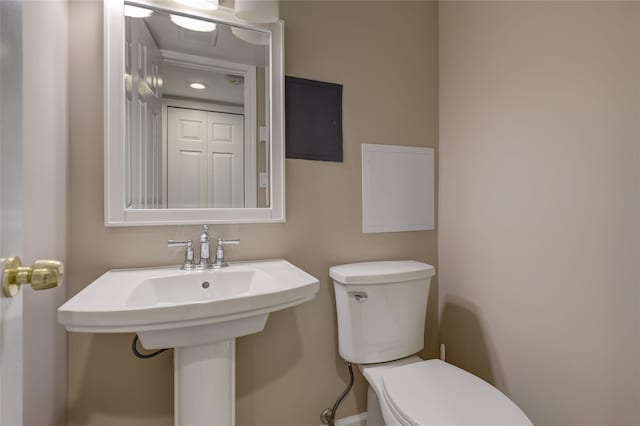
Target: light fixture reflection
197	86
200	4
193	24
136	11
260	11
251	36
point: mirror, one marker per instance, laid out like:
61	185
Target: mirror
193	118
195	101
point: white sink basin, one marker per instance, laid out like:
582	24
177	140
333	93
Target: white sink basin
204	287
169	307
199	313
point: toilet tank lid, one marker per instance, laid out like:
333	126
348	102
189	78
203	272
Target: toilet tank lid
381	272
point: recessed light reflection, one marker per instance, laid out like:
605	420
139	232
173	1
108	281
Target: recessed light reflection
193	24
197	86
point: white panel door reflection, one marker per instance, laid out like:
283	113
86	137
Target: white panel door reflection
205	159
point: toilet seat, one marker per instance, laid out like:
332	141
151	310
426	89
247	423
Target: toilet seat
434	392
397	415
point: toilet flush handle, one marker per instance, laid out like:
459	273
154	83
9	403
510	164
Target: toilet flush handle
360	296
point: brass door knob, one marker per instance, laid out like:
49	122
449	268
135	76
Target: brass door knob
43	274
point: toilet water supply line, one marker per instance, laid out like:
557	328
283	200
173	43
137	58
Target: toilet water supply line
328	415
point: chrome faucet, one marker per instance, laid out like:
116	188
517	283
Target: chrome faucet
205	252
220	262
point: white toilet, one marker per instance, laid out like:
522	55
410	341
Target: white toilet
381	310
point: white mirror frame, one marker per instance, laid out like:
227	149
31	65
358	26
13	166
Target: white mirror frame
116	213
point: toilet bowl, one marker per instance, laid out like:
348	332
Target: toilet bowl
381	309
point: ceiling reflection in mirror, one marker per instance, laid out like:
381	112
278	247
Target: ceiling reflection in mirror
197	107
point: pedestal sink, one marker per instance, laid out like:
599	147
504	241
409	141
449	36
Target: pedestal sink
199	313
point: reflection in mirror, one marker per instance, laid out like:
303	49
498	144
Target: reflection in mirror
197	103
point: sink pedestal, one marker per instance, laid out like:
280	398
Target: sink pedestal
205	390
204	368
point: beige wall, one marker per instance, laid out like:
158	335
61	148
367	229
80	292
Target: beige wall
45	179
385	54
539	203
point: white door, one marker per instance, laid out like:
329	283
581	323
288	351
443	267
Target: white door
226	160
144	98
11	353
186	158
33	137
205	159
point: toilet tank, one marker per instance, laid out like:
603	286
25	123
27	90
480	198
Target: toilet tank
381	309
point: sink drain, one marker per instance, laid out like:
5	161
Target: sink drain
205	284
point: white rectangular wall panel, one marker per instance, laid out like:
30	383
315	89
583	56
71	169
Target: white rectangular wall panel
397	188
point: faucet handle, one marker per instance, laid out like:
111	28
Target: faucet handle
179	243
188	256
222	242
220	262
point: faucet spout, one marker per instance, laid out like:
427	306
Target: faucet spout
205	246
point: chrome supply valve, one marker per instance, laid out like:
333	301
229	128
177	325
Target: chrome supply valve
205	252
188	256
220	262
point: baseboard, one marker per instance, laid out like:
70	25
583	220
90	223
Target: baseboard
356	420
